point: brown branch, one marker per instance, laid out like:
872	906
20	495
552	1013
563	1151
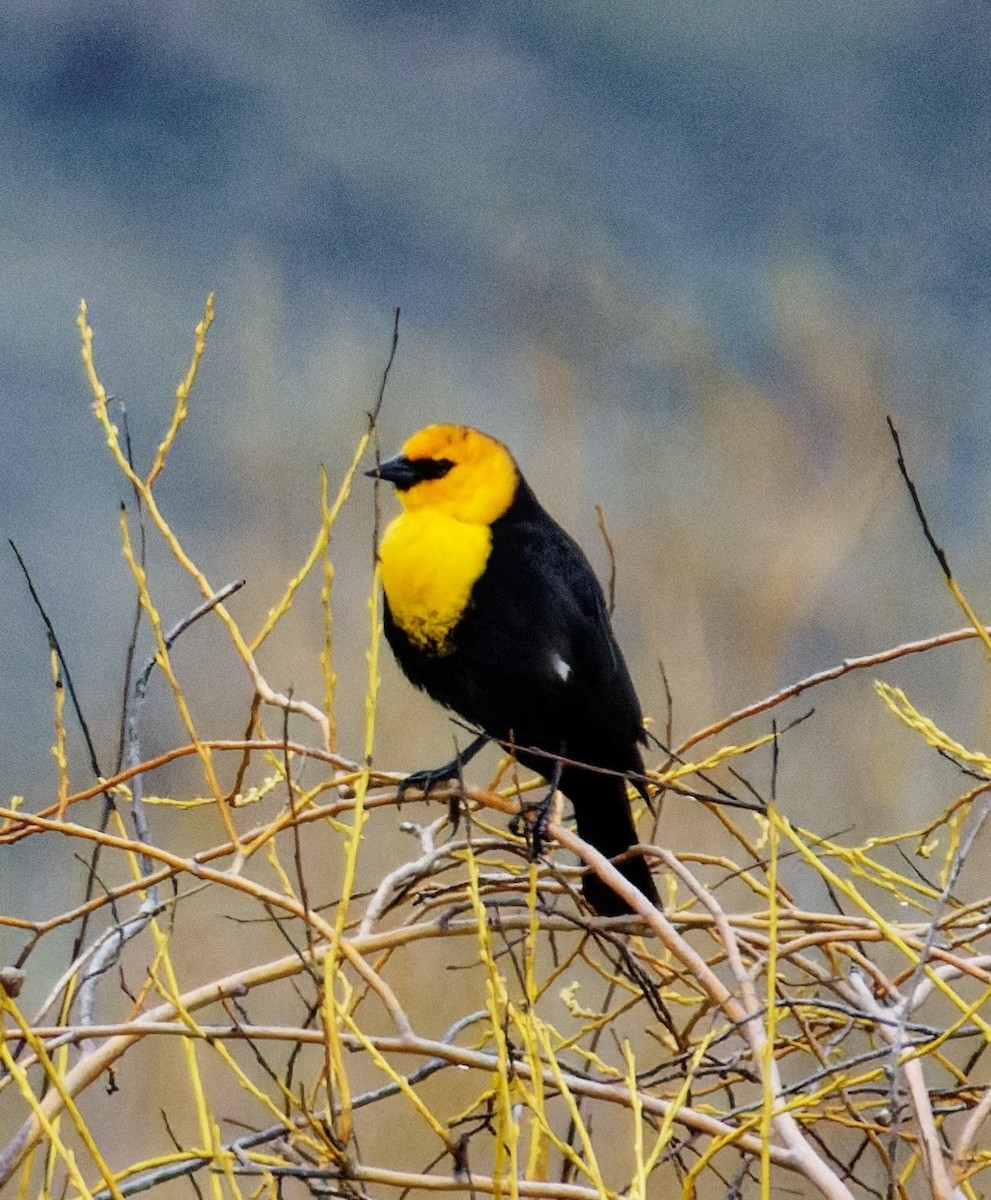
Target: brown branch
820	677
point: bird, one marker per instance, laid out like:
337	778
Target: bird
494	611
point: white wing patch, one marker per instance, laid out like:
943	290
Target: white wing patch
561	668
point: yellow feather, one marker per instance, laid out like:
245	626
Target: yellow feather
433	552
430	562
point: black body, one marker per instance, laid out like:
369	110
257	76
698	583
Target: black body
536	606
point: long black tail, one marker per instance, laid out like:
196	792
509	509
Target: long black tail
605	820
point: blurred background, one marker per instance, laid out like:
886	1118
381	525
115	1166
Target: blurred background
682	258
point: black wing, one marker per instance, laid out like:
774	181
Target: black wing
534	659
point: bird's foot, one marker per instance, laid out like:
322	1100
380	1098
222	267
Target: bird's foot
425	781
531	822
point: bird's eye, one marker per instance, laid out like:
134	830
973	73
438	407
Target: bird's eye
431	468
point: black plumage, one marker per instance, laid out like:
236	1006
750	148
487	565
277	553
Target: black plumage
534	663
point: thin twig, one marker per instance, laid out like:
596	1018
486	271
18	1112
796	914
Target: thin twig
866	662
917	503
114	941
373	418
600	516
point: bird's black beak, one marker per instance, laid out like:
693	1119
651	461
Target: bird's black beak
405	472
399	470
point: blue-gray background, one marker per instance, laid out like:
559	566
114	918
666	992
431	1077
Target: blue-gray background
682	257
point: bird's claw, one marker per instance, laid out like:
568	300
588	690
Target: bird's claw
425	781
534	830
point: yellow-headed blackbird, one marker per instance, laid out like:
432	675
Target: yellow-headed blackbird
495	612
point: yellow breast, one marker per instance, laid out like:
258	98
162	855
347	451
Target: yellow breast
430	562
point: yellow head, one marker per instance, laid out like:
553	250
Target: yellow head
455	470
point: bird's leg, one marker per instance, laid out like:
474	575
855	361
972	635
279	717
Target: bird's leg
426	781
535	831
